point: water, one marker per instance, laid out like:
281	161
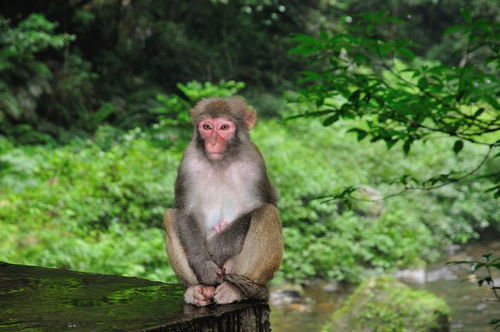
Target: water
472	306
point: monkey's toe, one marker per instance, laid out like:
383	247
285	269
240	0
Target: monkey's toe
208	291
226	293
196	295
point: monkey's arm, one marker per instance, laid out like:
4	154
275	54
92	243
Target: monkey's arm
229	241
194	243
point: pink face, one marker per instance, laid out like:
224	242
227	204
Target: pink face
216	133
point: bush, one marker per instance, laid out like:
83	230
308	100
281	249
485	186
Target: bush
307	161
88	207
97	204
385	304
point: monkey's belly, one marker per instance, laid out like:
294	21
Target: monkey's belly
226	211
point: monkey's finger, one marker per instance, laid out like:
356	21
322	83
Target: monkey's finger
198	293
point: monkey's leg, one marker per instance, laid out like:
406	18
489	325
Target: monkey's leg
195	293
261	255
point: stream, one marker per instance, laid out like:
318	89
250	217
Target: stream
472	307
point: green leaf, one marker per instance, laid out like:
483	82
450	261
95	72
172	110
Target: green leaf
407	146
390	142
478	112
360	132
487	256
458	146
407	53
301	50
305	39
466	15
476	266
354	97
453	29
422	83
492	101
328	121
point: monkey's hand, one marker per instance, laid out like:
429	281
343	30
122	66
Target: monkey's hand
209	273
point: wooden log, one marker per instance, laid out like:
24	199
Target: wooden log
43	299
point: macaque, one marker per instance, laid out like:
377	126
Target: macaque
224	236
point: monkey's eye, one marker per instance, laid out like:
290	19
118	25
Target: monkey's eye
224	127
206	126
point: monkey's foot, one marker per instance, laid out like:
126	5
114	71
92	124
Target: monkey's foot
226	293
199	295
218	228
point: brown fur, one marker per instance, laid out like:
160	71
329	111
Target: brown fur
176	253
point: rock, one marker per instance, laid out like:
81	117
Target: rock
412	276
448	272
385	304
290	297
331	286
42	299
286	294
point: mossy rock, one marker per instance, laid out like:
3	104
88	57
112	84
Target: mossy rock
385	304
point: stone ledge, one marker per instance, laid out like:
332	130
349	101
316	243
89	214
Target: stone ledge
43	299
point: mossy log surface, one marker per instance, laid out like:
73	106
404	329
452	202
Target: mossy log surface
43	299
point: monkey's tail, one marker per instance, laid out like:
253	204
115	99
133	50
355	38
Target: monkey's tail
249	288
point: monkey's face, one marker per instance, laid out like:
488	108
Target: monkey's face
216	133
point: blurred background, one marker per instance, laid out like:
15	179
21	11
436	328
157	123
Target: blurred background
379	122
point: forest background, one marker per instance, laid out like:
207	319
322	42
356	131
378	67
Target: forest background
381	134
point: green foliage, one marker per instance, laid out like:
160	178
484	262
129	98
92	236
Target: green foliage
324	240
359	73
384	304
196	91
87	207
88	204
123	54
24	77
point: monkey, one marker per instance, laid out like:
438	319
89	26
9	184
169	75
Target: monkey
223	238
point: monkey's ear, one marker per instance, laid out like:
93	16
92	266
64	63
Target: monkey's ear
251	118
193	112
200	105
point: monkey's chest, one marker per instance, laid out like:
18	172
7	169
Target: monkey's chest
221	200
222	204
